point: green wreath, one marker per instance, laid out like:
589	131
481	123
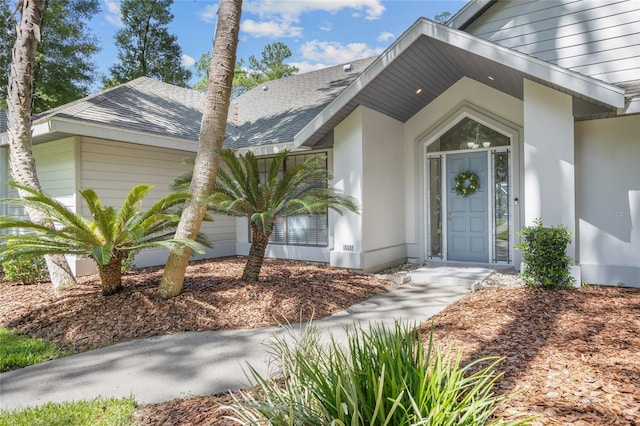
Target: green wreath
467	183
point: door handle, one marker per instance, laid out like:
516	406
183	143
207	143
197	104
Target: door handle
448	215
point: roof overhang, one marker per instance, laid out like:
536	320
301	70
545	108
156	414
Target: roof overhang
432	57
55	128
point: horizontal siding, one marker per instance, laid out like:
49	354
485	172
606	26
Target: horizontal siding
597	38
113	168
55	166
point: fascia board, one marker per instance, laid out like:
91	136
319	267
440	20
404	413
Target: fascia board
37	129
119	134
371	72
468	12
553	74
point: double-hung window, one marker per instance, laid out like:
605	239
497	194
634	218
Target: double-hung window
302	230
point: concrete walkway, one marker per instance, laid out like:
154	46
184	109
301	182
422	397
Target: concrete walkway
195	363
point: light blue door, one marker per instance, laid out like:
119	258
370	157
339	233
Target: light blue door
467	217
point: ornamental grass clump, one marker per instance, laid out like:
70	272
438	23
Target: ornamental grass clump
544	255
382	377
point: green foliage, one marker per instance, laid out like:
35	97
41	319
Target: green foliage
107	237
302	189
270	67
25	269
145	46
18	351
64	66
240	191
7	39
443	17
384	377
97	412
544	254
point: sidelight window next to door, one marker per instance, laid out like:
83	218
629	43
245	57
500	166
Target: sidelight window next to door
469	227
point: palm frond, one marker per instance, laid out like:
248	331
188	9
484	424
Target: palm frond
51	207
131	204
104	218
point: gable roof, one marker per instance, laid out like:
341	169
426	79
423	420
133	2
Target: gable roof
432	57
274	112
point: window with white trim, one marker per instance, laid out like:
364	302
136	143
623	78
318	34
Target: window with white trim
302	230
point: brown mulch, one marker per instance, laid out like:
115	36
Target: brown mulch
213	298
575	352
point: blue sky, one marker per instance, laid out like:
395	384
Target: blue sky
319	33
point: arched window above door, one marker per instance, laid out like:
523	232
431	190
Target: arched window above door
468	134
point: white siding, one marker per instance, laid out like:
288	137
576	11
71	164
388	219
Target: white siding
55	164
597	38
56	172
113	168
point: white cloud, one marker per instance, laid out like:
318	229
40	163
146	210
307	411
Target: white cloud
112	13
209	14
371	9
270	28
187	61
336	53
326	26
308	66
385	36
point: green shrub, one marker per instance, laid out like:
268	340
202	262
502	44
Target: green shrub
544	254
384	377
25	269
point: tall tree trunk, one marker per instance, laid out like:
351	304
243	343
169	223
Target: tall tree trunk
214	123
19	105
259	242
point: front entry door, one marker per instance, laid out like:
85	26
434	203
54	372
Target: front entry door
467	217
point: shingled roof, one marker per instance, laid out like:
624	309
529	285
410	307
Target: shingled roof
269	114
143	104
274	112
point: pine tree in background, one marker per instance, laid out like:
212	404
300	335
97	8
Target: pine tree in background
7	38
145	46
65	70
270	67
64	67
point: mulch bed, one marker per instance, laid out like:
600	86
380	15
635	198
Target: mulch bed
575	352
213	298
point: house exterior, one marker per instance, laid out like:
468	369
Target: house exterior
539	101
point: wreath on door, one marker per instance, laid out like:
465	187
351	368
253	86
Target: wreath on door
467	183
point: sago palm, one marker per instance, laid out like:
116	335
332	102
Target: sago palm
107	237
299	190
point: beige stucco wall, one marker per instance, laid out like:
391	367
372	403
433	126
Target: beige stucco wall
505	111
383	191
347	176
549	171
608	200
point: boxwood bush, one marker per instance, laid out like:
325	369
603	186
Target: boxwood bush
544	252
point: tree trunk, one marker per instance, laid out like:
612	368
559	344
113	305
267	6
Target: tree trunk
19	105
259	242
111	276
214	123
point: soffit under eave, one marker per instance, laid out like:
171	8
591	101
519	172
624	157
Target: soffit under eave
433	66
